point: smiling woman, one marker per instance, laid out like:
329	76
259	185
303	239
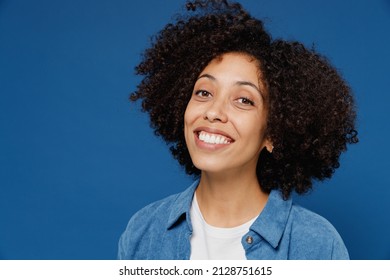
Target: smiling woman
253	119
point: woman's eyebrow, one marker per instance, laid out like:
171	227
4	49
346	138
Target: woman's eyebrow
245	83
207	76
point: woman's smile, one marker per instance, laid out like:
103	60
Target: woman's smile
211	139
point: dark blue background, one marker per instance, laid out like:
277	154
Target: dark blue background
77	159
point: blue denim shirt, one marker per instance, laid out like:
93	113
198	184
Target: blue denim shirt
283	230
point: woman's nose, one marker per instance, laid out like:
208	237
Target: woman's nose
216	112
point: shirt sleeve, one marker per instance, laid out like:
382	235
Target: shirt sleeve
339	251
122	247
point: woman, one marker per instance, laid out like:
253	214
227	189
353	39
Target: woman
253	119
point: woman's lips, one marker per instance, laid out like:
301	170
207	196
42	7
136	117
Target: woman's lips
213	136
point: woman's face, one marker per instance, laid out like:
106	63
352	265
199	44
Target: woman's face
226	117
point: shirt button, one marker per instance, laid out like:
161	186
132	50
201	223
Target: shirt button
249	239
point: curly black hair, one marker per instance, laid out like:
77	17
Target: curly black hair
311	115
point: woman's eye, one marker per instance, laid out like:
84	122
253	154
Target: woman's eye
202	93
246	101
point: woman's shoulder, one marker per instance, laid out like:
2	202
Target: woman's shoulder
311	234
305	218
159	213
147	225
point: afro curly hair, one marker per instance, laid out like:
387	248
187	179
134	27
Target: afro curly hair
311	109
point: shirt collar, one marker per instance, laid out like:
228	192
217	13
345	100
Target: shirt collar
272	220
270	224
182	206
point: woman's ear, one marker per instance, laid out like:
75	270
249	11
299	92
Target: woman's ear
269	146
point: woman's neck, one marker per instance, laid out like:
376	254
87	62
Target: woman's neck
229	200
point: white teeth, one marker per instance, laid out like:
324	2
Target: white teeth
213	139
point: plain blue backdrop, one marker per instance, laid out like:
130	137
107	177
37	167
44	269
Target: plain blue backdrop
77	159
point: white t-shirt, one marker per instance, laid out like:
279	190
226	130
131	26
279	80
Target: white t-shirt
215	243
